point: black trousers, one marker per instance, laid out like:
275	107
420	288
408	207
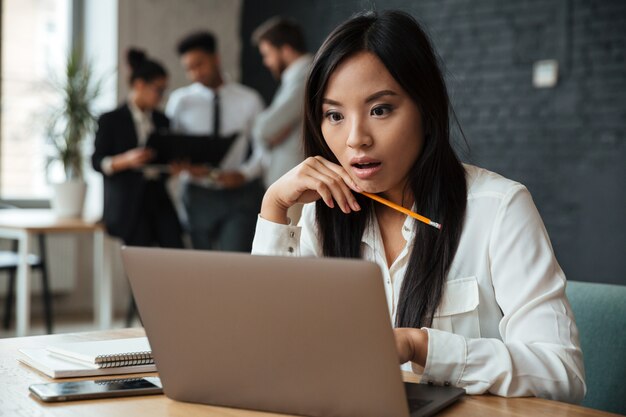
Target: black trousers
157	224
223	219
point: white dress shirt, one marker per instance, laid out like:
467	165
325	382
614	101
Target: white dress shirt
504	324
285	111
190	110
143	122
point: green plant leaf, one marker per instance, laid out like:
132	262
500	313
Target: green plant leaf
73	120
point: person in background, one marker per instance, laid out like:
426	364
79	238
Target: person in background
137	206
282	46
477	302
220	203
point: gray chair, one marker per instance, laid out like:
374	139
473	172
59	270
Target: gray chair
9	260
600	312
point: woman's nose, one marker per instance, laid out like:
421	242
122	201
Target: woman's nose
359	135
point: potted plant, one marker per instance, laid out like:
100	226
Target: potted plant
68	126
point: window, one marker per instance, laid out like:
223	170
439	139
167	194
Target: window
35	43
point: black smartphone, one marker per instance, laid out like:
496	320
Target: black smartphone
104	388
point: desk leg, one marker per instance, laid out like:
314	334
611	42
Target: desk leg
102	293
23	287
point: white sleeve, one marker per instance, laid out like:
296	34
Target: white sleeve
539	354
107	165
253	167
288	240
172	110
284	111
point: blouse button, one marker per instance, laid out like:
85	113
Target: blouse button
292	234
406	229
290	249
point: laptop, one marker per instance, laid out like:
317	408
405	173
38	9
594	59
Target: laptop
304	336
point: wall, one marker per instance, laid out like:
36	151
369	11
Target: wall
158	25
567	143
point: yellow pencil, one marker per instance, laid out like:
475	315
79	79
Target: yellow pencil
402	210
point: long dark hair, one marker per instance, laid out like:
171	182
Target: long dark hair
143	68
436	179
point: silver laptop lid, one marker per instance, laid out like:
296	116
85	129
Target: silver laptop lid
306	336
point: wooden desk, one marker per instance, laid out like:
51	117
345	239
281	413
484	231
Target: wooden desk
16	400
24	225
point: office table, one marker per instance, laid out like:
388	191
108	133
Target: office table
16	400
24	225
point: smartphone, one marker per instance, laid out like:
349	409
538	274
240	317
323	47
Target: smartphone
103	388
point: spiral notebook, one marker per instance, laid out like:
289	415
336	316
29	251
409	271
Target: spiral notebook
106	353
107	357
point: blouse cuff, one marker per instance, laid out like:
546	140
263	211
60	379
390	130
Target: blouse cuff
276	239
107	165
446	359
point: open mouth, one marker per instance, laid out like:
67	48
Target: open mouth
366	169
366	165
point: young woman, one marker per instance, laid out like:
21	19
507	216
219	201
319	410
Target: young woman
479	304
137	207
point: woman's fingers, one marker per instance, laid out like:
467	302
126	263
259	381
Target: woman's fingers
337	187
317	185
314	178
339	177
332	180
339	170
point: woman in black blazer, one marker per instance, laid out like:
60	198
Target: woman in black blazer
137	207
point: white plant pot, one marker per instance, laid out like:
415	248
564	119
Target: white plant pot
68	198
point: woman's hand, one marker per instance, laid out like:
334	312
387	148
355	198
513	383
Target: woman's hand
313	179
412	345
134	158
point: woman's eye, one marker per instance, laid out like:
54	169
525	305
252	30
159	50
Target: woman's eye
380	111
333	116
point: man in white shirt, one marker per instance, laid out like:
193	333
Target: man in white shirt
221	203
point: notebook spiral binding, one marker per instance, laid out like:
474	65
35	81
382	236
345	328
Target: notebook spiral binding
126	359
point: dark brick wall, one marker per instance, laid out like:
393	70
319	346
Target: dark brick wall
566	144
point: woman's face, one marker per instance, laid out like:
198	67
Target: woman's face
371	125
148	94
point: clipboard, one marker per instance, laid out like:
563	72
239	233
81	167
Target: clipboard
195	149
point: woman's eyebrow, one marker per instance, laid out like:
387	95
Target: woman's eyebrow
370	98
329	101
380	94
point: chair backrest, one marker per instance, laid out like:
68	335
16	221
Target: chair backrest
14	244
600	312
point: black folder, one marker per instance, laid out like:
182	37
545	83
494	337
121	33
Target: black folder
195	149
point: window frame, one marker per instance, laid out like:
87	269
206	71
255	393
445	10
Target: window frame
76	32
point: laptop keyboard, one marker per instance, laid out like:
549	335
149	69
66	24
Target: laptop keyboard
416	403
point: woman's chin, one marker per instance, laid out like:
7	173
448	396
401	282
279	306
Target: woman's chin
369	188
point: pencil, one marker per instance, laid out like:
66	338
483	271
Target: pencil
402	210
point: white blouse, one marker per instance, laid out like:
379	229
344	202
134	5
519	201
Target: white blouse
504	324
